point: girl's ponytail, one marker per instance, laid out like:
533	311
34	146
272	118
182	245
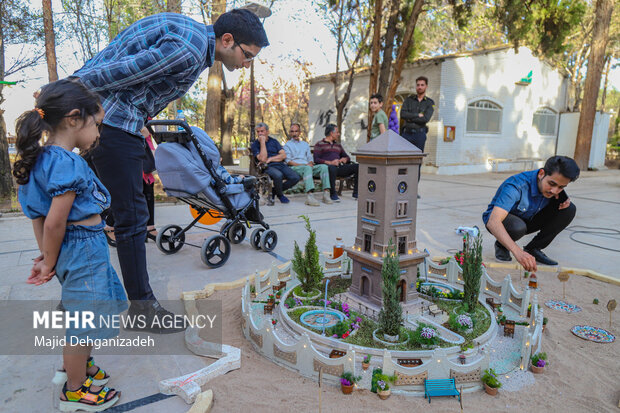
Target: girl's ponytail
54	102
29	129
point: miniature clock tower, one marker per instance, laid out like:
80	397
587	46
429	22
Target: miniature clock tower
386	210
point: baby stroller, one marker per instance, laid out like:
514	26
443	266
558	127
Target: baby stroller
186	162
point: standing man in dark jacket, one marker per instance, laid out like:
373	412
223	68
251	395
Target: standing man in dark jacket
415	113
148	65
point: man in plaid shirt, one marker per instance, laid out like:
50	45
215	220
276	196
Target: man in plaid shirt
148	65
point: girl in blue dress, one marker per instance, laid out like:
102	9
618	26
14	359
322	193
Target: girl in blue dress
63	198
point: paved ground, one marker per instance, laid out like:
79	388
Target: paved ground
447	202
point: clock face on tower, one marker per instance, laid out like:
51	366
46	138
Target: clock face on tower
372	186
402	187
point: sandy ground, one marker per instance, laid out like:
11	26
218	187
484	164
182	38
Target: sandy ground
582	376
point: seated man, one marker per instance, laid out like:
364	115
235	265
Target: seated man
529	202
267	150
299	158
331	153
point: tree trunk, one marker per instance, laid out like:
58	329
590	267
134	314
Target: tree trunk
6	180
214	97
403	52
388	48
375	54
50	42
600	37
607	66
227	114
173	6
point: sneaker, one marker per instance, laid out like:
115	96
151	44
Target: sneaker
326	198
540	256
311	200
334	198
284	199
419	196
501	252
151	317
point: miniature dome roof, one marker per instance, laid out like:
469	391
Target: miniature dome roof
388	143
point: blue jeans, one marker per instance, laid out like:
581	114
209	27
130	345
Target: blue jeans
89	282
418	138
118	159
283	177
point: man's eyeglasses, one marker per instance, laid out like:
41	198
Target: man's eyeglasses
248	56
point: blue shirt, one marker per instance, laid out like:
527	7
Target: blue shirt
519	195
55	172
298	152
273	147
148	65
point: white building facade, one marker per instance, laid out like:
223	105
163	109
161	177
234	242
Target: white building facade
495	110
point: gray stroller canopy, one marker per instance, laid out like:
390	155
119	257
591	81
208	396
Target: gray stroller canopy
182	171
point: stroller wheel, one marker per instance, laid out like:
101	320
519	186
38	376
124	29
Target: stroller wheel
255	238
268	240
215	251
236	233
166	240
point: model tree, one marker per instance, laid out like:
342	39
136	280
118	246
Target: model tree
472	270
391	314
306	265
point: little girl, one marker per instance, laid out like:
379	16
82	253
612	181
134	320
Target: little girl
62	196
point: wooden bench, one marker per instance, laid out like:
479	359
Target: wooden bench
435	388
434	310
509	328
492	303
409	362
268	309
335	354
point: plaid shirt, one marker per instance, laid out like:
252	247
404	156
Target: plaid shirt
148	65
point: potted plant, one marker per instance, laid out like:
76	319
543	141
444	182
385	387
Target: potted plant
252	292
347	381
545	320
427	336
366	361
491	383
595	301
274	321
502	320
529	310
383	388
539	361
271	299
500	311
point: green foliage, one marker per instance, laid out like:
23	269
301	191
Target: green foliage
385	379
367	358
290	301
339	329
252	288
416	336
306	265
472	270
376	373
347	375
595	301
391	314
490	379
538	356
542	24
338	286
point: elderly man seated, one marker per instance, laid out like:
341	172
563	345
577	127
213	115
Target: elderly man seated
268	151
299	158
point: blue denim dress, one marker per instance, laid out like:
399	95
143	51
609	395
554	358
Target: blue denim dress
89	282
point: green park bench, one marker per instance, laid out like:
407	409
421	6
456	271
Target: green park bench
434	388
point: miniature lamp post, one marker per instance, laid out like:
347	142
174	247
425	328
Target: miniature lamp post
325	306
563	277
611	306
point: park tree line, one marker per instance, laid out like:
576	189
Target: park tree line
579	37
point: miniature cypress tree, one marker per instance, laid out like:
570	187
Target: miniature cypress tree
472	270
306	265
391	314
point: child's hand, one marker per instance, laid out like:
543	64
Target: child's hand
40	273
241	176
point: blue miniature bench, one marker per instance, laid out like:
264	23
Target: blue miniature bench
434	388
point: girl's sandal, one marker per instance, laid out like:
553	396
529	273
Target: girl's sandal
111	239
84	399
99	379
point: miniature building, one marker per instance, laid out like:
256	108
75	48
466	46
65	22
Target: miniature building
386	210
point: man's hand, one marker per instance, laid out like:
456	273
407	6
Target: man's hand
526	260
40	273
564	204
343	160
310	163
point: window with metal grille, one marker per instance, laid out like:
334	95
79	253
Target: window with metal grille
544	121
370	207
367	242
484	116
401	209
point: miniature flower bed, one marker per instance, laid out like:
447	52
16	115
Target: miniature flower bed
479	318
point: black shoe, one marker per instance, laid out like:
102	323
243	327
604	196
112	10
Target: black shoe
501	252
419	196
149	316
540	256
